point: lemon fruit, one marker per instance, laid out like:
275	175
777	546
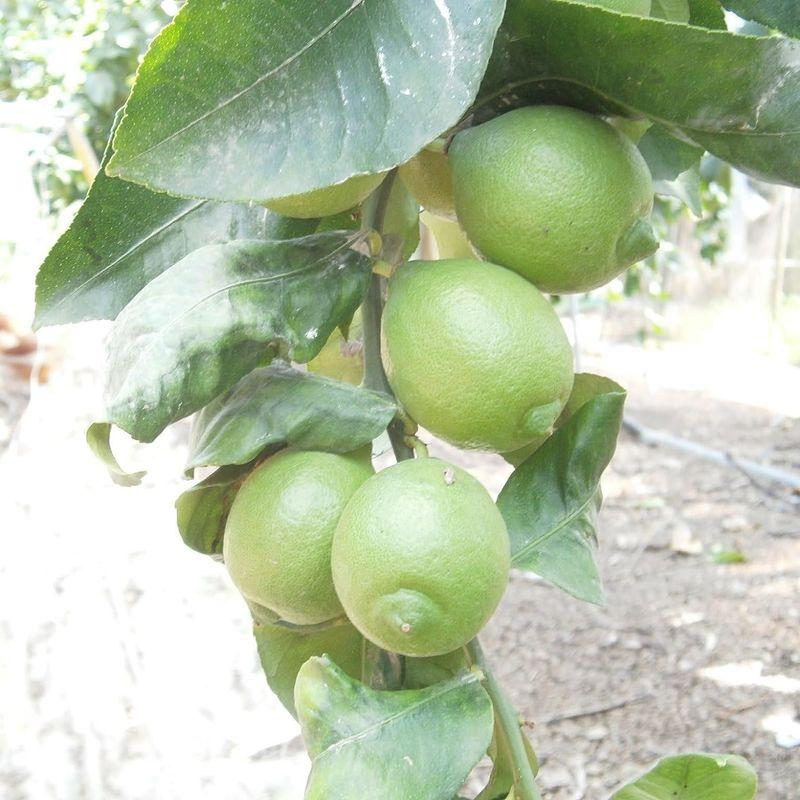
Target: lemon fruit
328	200
475	353
420	558
556	194
640	8
429	178
340	358
586	387
277	543
451	241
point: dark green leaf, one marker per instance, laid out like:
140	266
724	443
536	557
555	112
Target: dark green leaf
415	744
203	509
696	776
707	14
781	14
501	779
280	100
736	96
123	236
281	405
550	501
283	650
98	437
674	165
671	10
219	313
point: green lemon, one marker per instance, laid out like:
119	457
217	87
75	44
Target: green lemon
328	200
420	558
556	194
586	387
640	8
429	178
475	353
278	535
340	358
451	241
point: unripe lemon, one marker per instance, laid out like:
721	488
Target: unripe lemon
328	200
585	388
340	358
475	353
451	241
277	544
429	178
556	194
420	558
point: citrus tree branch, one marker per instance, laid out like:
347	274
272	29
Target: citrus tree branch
508	724
374	374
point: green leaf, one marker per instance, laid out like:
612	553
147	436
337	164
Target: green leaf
736	96
671	10
124	235
697	776
550	501
501	779
253	100
674	165
283	650
281	405
707	14
784	15
98	437
219	313
416	744
203	510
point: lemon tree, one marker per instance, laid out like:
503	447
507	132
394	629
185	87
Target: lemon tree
256	214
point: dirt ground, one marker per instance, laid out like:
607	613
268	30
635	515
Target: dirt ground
126	668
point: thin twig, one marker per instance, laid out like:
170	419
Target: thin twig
591	712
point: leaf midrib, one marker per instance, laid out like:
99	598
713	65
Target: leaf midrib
466	680
553	531
355	4
156	335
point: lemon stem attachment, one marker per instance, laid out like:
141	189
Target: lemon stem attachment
508	732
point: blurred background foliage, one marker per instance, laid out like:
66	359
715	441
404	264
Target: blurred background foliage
77	59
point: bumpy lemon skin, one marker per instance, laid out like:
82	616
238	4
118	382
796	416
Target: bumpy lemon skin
475	353
429	178
327	201
279	531
420	558
555	194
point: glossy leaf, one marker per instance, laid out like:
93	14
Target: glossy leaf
550	501
697	776
501	779
416	744
202	511
707	14
124	235
219	313
671	10
736	96
781	14
280	100
283	650
674	165
281	405
98	437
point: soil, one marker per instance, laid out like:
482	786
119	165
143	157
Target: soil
126	668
